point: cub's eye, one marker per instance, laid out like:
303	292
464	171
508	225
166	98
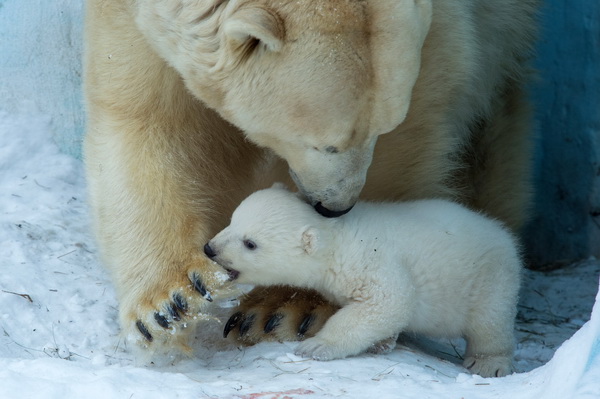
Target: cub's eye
250	245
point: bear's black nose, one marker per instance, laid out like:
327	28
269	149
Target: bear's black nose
329	213
209	251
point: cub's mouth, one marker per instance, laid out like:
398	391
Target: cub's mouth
232	273
212	254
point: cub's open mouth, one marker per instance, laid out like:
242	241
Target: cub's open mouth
232	273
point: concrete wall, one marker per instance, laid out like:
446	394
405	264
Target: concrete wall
40	65
566	218
40	77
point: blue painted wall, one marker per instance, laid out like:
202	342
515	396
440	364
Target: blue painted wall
40	65
566	216
40	77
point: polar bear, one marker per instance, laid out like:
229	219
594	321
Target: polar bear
429	267
193	105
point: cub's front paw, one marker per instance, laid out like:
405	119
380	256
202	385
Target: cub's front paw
163	314
384	346
319	349
489	366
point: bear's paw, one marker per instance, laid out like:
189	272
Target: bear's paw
164	315
278	313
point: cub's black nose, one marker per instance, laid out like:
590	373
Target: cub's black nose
329	213
209	251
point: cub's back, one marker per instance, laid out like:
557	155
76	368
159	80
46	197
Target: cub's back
432	233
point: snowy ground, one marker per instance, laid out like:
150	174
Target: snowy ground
59	336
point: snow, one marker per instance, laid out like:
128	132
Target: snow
60	338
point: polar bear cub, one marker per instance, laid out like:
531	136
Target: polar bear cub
430	267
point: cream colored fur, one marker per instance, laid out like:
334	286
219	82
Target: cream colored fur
192	105
430	267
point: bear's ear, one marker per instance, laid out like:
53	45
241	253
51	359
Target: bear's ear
398	35
310	238
255	23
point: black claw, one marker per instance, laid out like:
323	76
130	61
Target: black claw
273	322
172	308
143	330
231	323
305	325
472	364
180	302
246	324
199	286
161	320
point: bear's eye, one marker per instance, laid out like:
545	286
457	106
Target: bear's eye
251	245
329	149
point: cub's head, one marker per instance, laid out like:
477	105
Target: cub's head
272	239
316	81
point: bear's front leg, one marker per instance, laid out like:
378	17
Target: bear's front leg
352	330
161	171
152	217
153	213
164	174
158	190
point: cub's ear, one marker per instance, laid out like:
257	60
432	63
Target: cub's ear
255	23
280	185
310	238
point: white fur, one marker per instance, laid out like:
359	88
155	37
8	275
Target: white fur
431	267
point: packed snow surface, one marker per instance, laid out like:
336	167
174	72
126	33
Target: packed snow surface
60	338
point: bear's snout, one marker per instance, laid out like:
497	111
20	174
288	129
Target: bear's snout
209	251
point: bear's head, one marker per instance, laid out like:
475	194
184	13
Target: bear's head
316	81
273	238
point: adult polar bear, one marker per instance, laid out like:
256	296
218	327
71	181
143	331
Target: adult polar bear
194	104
